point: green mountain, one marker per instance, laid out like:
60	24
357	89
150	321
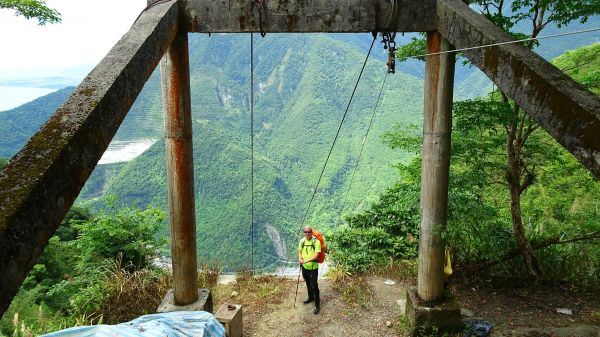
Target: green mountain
299	101
19	124
302	86
583	64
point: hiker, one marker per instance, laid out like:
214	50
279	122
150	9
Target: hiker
308	255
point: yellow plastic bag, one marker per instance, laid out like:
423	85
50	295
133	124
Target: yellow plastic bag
448	266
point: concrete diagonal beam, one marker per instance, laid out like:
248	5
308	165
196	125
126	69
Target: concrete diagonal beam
41	182
564	108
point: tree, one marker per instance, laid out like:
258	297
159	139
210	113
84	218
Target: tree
388	230
494	144
3	162
519	168
32	9
128	232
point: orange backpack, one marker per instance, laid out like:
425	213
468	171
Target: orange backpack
321	239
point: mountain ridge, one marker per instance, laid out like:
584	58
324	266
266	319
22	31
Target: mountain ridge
302	86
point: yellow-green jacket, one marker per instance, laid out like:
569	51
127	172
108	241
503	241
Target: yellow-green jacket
307	249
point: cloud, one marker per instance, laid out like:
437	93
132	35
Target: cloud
88	30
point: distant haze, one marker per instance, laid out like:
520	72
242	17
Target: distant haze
41	59
11	97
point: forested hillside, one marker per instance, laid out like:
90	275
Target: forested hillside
299	103
559	207
20	123
106	260
302	85
583	65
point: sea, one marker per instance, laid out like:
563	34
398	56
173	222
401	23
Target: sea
14	96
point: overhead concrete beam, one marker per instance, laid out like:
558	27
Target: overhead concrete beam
294	16
564	108
40	183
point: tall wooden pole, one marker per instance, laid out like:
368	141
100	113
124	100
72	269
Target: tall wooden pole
175	76
437	124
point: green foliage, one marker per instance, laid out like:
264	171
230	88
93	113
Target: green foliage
68	230
387	231
583	64
540	13
297	112
77	279
3	162
560	205
82	293
561	12
417	46
564	204
126	231
27	317
404	325
32	9
516	16
129	293
499	147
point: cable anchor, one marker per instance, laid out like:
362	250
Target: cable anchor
262	16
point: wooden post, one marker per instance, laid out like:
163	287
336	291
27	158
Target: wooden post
437	124
175	76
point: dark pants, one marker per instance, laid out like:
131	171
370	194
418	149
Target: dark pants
310	277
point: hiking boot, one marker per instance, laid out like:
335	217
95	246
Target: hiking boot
308	300
316	310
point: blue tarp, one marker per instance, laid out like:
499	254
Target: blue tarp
172	324
477	328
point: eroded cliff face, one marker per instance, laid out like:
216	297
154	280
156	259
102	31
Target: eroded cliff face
278	242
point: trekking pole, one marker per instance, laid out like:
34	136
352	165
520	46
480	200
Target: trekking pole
297	284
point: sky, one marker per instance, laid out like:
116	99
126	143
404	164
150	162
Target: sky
70	49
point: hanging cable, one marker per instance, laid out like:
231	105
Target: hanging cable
505	42
335	139
252	153
262	16
364	142
338	132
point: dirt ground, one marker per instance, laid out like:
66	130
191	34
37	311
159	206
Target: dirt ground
336	317
525	310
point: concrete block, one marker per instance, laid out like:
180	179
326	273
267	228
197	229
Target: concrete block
204	303
230	315
442	317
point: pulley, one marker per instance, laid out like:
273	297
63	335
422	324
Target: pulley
389	43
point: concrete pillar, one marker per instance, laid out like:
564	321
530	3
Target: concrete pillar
174	68
437	124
